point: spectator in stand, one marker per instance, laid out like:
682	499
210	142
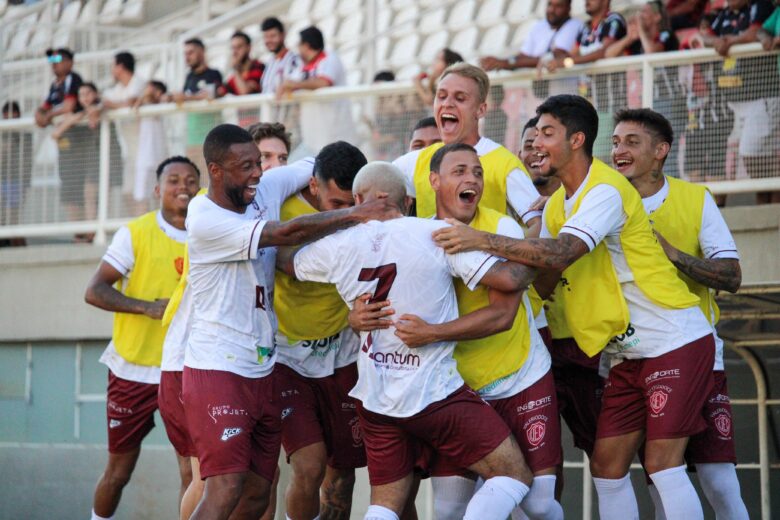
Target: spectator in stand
425	82
750	86
425	133
125	92
284	61
555	36
78	140
389	122
63	93
152	149
322	122
247	73
769	35
273	141
648	32
201	82
15	171
685	13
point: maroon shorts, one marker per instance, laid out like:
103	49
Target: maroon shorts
461	427
233	422
172	412
664	395
130	408
321	410
579	389
716	443
546	335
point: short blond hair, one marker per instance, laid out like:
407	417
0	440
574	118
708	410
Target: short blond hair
381	176
467	70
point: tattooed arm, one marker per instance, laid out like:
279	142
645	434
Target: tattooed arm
722	274
102	294
547	253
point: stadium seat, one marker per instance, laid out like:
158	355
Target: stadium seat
328	26
408	72
383	18
21	37
404	22
405	50
432	20
145	69
110	12
465	42
519	11
322	9
578	9
89	13
70	13
381	48
3	6
351	28
490	13
541	9
348	7
299	9
354	77
521	33
462	15
350	58
432	44
494	40
133	11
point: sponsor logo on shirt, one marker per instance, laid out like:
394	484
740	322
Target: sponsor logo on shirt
221	410
114	423
286	412
396	360
230	432
322	347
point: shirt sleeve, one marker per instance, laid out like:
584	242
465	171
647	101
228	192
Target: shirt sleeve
330	69
528	44
760	11
614	27
772	22
566	37
600	214
220	238
290	179
119	254
470	267
715	238
407	163
544	232
316	262
521	194
509	228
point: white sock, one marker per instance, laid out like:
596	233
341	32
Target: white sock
540	503
677	494
657	504
721	487
496	499
379	513
96	516
451	495
616	498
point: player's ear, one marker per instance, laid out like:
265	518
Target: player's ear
408	201
482	110
577	140
157	190
662	150
435	180
215	170
314	186
359	199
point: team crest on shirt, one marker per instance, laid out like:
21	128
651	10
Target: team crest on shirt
658	400
535	433
723	424
178	264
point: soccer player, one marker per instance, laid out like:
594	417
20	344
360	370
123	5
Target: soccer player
460	102
697	240
545	185
233	416
410	396
424	134
316	366
134	280
273	141
597	233
507	362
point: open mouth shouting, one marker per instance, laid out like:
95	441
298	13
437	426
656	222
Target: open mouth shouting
469	196
251	189
449	122
623	164
542	159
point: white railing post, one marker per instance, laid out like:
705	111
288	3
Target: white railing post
103	180
648	77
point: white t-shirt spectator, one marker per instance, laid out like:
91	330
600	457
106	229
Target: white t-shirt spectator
323	122
279	68
715	241
120	256
656	330
127	129
397	260
231	280
543	38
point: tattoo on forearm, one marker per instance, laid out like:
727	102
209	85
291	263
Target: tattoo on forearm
547	253
306	228
336	501
719	274
108	298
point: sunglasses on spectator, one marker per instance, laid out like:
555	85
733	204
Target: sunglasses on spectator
54	58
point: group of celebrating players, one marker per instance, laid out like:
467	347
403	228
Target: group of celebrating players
443	345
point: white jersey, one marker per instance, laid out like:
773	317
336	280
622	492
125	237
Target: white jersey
178	335
657	330
120	256
715	241
397	260
520	190
232	280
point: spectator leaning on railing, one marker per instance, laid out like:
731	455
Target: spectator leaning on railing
247	72
15	171
63	93
124	93
750	86
284	61
425	82
555	36
769	35
648	32
152	142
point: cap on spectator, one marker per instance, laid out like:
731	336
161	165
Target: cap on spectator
62	51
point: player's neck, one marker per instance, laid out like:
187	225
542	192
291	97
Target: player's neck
174	217
573	173
471	139
309	197
649	183
219	198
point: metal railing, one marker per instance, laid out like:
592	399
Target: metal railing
40	179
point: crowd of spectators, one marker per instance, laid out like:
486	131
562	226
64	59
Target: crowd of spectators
727	100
